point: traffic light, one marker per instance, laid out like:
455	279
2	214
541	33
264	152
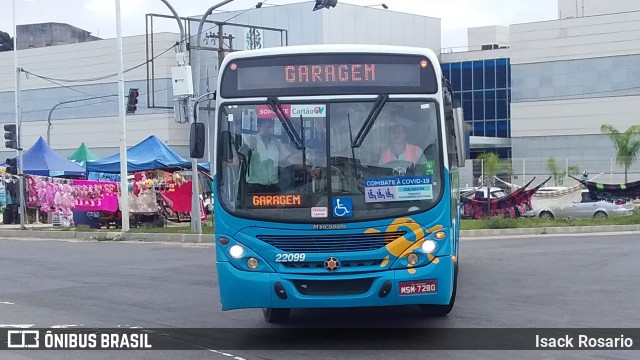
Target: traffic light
11	136
320	4
133	101
12	166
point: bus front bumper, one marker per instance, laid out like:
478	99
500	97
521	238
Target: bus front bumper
245	289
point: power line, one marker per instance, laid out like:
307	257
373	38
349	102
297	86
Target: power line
57	83
100	77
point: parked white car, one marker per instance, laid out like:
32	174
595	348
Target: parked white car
585	208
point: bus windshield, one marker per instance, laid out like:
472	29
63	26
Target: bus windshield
396	168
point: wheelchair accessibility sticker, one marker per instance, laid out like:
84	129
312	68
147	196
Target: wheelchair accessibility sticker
398	189
342	207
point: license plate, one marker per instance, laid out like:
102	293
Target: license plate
418	287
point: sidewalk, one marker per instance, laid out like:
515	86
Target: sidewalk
35	231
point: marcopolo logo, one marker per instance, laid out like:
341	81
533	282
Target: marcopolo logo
308	110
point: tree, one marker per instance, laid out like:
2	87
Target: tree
492	165
627	144
558	176
6	41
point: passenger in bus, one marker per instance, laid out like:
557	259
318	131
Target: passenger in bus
399	149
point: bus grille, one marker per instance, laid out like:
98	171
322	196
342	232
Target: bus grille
320	264
333	287
331	243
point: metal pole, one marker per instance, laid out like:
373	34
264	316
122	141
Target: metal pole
524	171
124	183
18	121
196	225
199	39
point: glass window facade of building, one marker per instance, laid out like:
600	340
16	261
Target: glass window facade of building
483	87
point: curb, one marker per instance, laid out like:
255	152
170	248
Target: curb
209	238
548	230
106	236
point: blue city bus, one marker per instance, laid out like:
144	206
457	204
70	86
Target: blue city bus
336	179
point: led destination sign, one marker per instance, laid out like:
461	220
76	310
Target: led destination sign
351	73
329	74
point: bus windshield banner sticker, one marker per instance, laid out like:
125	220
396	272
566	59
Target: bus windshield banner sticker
398	189
310	111
265	112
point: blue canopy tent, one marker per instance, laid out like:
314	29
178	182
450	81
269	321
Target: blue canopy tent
41	160
149	154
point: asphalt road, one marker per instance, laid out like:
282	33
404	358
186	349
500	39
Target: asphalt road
561	281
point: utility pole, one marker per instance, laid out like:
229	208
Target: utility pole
124	183
20	165
196	225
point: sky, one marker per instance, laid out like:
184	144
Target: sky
98	16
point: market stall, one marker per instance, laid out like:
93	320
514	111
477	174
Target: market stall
158	186
41	160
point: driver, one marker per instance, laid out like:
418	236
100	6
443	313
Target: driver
398	148
264	153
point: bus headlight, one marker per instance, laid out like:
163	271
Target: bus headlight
236	251
429	246
252	263
412	259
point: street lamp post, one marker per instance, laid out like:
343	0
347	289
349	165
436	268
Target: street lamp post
124	183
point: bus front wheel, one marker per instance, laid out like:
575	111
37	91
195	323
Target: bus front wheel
442	310
276	315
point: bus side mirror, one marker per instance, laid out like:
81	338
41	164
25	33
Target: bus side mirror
461	144
196	140
226	143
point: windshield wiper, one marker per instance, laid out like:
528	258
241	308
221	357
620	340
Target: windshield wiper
276	107
371	118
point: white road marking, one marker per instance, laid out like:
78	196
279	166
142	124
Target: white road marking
64	326
227	354
6	303
19	326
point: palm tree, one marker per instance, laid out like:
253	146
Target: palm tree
627	144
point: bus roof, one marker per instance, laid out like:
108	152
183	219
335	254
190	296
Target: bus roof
332	48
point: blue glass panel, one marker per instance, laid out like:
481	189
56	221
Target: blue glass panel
503	128
467	75
478	128
467	105
501	73
446	71
478	75
490	128
478	105
456	79
489	74
490	104
508	72
501	105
